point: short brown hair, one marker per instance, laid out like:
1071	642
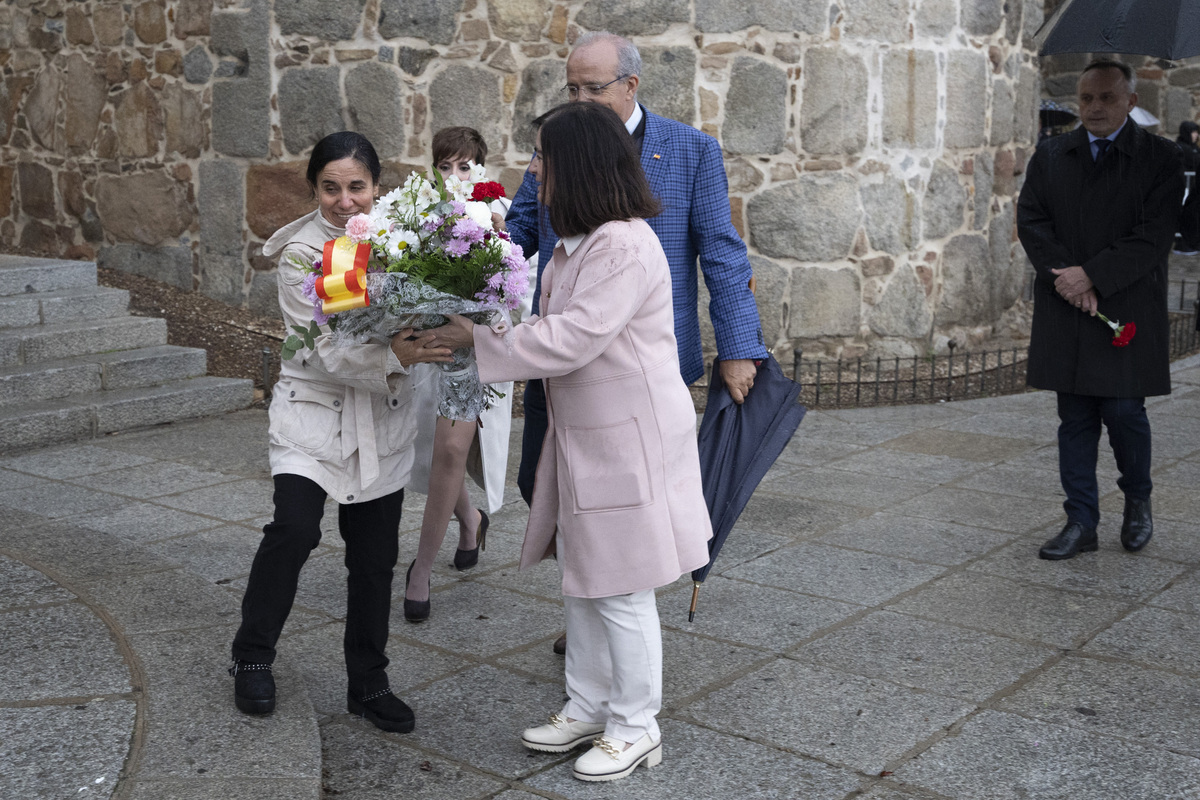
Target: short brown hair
591	173
459	141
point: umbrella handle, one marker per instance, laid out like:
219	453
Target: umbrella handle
695	596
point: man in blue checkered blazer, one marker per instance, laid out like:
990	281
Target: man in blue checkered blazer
686	172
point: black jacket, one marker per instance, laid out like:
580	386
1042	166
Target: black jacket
1116	219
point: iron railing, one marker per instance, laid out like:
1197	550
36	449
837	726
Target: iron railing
849	383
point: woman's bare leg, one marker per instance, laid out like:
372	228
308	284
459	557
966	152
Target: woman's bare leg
451	443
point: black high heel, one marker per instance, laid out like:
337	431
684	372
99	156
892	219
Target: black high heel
414	610
465	559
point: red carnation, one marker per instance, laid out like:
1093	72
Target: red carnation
487	191
1124	334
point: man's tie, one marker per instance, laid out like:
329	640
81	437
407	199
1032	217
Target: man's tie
1101	148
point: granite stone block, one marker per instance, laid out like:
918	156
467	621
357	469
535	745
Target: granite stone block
855	489
218	554
232	443
888	463
981	509
192	724
795	517
475	620
144	522
202	788
1094	695
243	500
163	601
1005	757
43	755
480	714
362	764
1110	571
152	480
861	723
73	460
1007	608
692	768
1152	636
80	659
921	654
757	616
25	586
862	578
916	538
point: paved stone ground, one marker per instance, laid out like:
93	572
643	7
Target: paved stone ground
878	626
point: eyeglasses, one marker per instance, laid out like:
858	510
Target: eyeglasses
591	89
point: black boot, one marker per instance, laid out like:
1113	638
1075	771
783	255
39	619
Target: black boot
383	710
1072	540
1138	524
253	687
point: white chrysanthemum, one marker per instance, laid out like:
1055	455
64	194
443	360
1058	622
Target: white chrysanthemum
478	173
480	214
505	247
397	242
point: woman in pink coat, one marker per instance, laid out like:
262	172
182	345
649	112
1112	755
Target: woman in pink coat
617	494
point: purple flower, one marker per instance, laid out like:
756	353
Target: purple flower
432	224
466	229
309	288
457	247
459	207
495	280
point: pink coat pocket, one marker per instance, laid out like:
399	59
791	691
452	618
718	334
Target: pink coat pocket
607	467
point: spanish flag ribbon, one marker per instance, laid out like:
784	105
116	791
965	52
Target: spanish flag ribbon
343	282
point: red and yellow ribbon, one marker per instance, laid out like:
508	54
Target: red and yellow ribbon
343	281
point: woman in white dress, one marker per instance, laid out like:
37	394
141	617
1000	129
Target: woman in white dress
445	447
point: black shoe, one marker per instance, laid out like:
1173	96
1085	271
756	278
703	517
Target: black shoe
560	645
465	559
253	687
1138	525
383	710
1070	542
414	610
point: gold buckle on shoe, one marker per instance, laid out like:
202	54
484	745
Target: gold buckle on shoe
558	720
607	747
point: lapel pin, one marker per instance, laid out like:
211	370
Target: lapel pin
656	155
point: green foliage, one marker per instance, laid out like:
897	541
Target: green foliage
462	277
305	340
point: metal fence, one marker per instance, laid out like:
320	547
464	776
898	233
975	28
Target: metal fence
956	375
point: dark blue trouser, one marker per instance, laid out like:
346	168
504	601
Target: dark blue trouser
531	440
371	532
1078	445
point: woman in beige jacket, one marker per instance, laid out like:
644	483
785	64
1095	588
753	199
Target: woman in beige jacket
617	491
340	426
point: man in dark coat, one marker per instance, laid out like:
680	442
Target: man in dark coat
1097	218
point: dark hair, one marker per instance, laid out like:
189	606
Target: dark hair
343	144
459	141
1186	129
1108	63
590	170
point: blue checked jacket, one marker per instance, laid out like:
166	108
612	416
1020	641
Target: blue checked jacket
686	173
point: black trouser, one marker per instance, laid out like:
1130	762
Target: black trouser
532	437
371	533
1079	444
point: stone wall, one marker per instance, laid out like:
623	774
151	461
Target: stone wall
873	147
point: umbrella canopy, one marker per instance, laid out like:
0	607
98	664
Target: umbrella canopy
738	444
1161	28
1053	114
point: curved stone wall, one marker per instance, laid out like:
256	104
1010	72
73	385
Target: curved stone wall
873	147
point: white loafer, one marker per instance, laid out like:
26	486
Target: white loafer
606	761
559	735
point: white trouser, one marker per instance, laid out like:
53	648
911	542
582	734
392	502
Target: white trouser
614	663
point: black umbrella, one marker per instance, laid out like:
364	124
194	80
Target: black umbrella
1053	114
738	444
1161	28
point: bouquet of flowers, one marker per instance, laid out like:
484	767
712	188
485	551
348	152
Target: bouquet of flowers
427	249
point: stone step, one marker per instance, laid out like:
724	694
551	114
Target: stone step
48	308
122	369
25	275
96	413
68	339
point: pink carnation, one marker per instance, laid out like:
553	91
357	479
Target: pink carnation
358	228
